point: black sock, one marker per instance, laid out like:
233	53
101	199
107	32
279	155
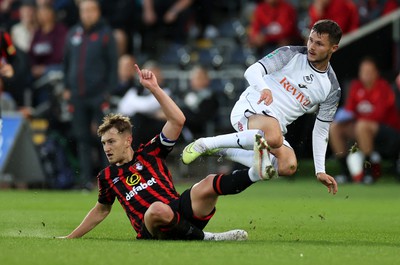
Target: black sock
344	168
233	183
343	165
180	229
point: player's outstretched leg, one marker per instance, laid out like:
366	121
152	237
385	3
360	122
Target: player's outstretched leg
232	235
261	161
211	145
194	150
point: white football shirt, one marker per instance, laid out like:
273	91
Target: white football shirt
297	87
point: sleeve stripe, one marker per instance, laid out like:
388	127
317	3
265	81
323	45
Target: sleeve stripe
165	141
265	69
323	120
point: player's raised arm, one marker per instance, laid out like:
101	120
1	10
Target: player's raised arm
175	118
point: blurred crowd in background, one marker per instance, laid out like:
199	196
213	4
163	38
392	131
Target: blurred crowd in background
74	64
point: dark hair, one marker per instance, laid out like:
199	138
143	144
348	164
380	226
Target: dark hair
117	121
329	27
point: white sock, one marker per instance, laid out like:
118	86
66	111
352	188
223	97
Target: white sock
253	175
245	157
243	139
241	156
208	236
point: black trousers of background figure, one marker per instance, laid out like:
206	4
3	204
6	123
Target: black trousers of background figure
87	115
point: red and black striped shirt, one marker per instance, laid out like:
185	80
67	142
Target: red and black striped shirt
140	182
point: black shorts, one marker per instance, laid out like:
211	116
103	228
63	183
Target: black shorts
182	205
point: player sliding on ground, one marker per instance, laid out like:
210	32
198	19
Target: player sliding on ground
143	185
284	85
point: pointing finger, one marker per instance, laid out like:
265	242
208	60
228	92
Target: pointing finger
137	69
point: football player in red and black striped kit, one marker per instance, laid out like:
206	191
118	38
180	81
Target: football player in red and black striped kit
143	185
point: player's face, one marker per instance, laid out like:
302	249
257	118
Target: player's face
116	146
320	50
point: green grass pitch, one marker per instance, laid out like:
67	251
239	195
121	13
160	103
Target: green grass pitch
289	222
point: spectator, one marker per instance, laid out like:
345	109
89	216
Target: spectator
7	53
122	39
370	118
146	111
343	12
199	104
22	32
164	20
370	10
9	12
90	74
126	78
67	11
274	24
122	17
7	56
397	91
46	50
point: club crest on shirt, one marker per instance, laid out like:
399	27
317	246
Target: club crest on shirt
308	78
138	166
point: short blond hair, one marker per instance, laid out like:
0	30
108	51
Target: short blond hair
115	120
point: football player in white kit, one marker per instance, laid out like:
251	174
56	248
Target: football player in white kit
284	85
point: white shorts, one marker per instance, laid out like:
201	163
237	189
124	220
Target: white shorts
247	106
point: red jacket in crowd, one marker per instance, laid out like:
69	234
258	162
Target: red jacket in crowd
343	12
375	104
276	22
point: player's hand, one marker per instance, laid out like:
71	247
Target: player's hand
266	97
328	181
147	78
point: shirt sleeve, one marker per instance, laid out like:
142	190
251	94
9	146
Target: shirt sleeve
106	194
328	107
159	146
272	62
320	137
254	75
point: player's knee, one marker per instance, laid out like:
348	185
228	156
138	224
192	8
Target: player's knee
204	188
288	169
159	212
